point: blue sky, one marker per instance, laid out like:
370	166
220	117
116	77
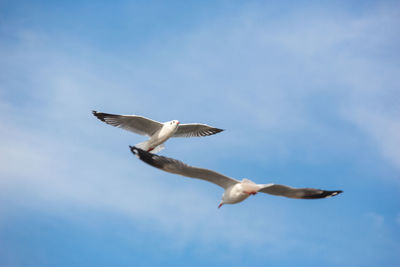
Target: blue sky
307	92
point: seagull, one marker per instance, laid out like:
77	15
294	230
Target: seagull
157	131
235	191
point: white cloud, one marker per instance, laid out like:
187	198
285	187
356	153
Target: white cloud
267	78
384	128
61	175
376	219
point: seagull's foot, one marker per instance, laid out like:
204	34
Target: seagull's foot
150	149
251	193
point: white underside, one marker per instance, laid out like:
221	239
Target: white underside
156	142
240	192
147	146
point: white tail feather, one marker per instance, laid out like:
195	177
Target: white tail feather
143	145
158	148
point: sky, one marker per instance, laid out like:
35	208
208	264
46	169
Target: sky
307	93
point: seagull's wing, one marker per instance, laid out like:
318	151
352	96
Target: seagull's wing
291	192
195	130
133	123
178	167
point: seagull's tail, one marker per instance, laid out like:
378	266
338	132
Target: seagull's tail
157	149
146	146
143	145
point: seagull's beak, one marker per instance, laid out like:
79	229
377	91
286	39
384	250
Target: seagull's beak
220	205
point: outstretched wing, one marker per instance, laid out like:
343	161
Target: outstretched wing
178	167
133	123
195	130
291	192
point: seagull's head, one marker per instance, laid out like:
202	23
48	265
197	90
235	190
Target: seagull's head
174	123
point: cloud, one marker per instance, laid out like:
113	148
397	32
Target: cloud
383	127
377	220
289	84
53	162
59	178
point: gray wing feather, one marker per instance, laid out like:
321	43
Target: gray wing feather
133	123
195	130
291	192
178	167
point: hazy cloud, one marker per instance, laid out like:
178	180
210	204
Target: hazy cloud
287	83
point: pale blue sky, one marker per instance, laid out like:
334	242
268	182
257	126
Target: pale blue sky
307	92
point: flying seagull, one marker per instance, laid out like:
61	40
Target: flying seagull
235	191
157	131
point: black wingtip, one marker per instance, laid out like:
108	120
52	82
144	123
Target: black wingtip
99	115
134	150
211	132
147	157
140	153
333	193
323	194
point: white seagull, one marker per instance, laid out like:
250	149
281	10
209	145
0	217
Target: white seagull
157	131
235	191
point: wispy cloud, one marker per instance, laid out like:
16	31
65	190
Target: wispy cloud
278	87
45	174
376	219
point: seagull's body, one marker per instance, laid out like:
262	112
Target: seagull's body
235	191
157	131
155	142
